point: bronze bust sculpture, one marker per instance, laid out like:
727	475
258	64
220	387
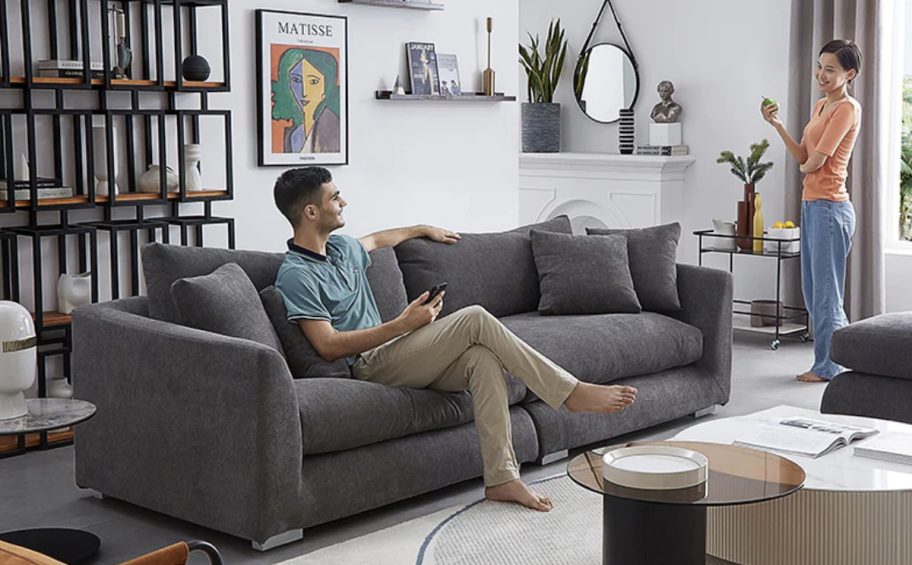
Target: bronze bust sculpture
667	111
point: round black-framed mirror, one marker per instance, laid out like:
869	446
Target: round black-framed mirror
605	81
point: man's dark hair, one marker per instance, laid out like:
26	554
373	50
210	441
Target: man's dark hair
297	188
847	52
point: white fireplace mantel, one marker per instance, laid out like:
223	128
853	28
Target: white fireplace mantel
601	189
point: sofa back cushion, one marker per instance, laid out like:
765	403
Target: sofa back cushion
224	302
303	360
385	280
164	264
494	270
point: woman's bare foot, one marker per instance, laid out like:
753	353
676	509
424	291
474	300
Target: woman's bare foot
517	491
588	397
810	377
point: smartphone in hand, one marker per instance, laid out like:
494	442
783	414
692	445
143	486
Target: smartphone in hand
435	290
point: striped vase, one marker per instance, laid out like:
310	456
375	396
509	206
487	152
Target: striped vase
625	131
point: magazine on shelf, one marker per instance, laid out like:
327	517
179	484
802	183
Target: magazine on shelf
422	62
893	447
802	436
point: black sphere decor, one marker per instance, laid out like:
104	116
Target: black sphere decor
195	68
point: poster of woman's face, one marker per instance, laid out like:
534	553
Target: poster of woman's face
302	84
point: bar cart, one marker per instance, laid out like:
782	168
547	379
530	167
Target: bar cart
790	320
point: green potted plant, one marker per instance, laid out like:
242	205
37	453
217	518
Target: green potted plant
905	188
749	171
541	115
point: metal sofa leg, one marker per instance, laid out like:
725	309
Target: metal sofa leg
708	411
552	457
97	495
279	539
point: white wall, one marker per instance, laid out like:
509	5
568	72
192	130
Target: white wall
452	164
722	57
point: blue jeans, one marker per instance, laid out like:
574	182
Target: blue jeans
826	239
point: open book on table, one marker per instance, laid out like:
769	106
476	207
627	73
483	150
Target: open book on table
802	436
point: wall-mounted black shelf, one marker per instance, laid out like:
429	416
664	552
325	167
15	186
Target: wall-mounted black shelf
411	4
472	97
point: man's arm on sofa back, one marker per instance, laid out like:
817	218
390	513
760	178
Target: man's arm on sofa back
706	303
193	424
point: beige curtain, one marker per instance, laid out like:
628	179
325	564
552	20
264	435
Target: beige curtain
872	24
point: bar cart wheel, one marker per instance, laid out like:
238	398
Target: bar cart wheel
805	337
774	345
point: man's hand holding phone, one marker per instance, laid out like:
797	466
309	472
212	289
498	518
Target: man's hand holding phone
424	309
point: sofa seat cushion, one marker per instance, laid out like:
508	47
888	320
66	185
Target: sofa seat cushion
340	414
607	347
878	345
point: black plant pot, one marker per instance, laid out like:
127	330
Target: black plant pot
195	68
541	128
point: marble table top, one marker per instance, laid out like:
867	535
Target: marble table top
48	414
839	470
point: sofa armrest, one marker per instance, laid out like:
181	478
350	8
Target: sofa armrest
192	424
706	303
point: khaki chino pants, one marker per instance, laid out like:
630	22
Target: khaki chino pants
469	350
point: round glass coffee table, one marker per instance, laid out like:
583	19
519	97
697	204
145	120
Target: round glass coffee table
63	544
669	526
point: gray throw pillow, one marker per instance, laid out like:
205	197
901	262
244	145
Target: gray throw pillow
495	270
224	302
583	275
303	360
385	281
653	255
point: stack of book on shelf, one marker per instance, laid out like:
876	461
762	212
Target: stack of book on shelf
47	188
665	150
802	436
893	447
58	68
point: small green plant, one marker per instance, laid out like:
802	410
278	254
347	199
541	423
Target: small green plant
751	170
544	71
905	188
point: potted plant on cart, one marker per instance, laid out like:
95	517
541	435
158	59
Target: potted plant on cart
749	171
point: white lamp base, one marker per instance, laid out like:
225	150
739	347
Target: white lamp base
12	405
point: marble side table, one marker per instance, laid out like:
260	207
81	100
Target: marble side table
63	544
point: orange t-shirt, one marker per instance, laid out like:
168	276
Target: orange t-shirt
833	134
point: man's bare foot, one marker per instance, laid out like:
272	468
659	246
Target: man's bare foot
810	377
588	397
517	491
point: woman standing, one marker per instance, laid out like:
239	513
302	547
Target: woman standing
827	215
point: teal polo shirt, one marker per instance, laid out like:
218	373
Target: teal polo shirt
333	287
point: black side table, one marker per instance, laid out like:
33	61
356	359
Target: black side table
63	544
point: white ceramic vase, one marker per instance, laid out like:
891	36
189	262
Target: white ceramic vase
104	185
73	291
18	358
192	179
149	181
59	388
722	227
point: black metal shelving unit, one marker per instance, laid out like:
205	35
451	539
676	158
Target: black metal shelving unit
793	320
72	29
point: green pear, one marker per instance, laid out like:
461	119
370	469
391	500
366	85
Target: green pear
768	101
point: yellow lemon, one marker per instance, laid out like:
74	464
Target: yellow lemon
789	224
778	225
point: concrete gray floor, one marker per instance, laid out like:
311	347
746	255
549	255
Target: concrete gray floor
37	489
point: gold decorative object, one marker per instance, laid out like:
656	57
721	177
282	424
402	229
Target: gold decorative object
488	75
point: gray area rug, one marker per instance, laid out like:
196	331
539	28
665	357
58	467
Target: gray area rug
487	533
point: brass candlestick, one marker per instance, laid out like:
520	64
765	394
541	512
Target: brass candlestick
488	75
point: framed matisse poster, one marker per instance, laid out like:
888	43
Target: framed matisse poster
302	89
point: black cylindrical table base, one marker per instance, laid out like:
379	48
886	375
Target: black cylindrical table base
648	533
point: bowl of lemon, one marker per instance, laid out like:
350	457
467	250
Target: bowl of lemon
786	230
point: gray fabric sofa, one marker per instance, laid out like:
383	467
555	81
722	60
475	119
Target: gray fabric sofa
878	355
214	430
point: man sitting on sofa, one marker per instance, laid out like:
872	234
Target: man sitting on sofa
324	284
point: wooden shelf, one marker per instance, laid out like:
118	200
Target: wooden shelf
126	83
125	197
472	97
411	4
9	443
51	319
